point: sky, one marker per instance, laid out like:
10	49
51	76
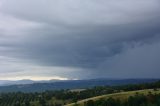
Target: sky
79	39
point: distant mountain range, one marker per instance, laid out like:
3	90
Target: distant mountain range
38	86
8	82
24	81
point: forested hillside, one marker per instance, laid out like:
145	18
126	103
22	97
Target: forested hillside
64	97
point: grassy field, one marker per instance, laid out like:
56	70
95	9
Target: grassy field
121	95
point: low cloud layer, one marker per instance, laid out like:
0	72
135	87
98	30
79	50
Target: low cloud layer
80	39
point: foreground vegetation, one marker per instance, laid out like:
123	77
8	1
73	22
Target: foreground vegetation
131	98
79	97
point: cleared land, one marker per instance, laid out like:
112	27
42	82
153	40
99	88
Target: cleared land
121	95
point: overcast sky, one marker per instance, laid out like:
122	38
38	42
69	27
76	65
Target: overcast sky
79	39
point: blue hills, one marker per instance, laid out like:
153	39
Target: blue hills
39	86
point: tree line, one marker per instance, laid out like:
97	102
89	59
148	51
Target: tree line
62	97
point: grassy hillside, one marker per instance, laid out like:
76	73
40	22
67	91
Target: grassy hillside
121	95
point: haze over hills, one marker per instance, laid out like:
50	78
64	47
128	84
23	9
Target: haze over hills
39	86
10	82
25	81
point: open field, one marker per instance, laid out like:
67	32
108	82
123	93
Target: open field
121	95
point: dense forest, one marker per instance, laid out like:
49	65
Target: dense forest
62	97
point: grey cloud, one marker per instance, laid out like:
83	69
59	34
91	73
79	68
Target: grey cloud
86	48
77	12
100	38
142	61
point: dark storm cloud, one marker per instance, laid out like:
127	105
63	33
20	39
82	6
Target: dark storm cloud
106	38
88	48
